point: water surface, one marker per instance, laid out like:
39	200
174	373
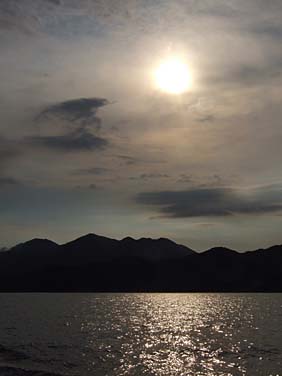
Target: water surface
141	334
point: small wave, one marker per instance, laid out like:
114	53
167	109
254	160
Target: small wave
254	352
7	354
16	371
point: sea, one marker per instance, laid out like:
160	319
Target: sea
95	334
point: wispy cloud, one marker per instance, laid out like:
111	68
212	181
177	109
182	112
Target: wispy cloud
207	202
81	111
148	176
91	171
79	140
6	181
8	152
77	132
129	160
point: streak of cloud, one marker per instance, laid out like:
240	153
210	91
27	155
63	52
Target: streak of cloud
206	202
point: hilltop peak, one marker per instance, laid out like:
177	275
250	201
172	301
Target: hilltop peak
89	238
128	239
220	251
36	242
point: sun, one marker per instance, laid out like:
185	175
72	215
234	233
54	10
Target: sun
173	76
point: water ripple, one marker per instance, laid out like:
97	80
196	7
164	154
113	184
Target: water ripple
145	334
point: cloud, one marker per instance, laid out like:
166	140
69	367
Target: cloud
8	152
128	160
269	30
91	171
245	75
78	116
185	178
249	74
54	2
198	202
78	140
149	176
205	181
206	119
93	186
82	111
132	160
14	16
6	181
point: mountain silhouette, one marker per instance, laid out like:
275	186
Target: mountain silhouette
97	263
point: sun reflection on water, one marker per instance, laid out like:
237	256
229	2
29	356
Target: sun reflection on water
180	336
174	334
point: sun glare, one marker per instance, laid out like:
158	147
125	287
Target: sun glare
173	76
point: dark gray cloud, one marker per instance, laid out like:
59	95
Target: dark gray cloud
6	181
91	171
78	140
248	74
153	176
150	176
14	16
79	115
199	202
252	74
185	178
269	30
206	119
82	111
128	160
31	17
8	152
93	186
55	2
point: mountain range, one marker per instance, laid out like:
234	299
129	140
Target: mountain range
100	264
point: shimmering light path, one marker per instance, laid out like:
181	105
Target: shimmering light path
144	334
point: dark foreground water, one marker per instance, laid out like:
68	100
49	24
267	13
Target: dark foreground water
140	334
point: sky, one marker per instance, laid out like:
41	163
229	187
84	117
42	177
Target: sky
89	143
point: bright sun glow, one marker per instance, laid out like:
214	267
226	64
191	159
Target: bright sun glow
173	76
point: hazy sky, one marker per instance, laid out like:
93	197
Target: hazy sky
88	143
